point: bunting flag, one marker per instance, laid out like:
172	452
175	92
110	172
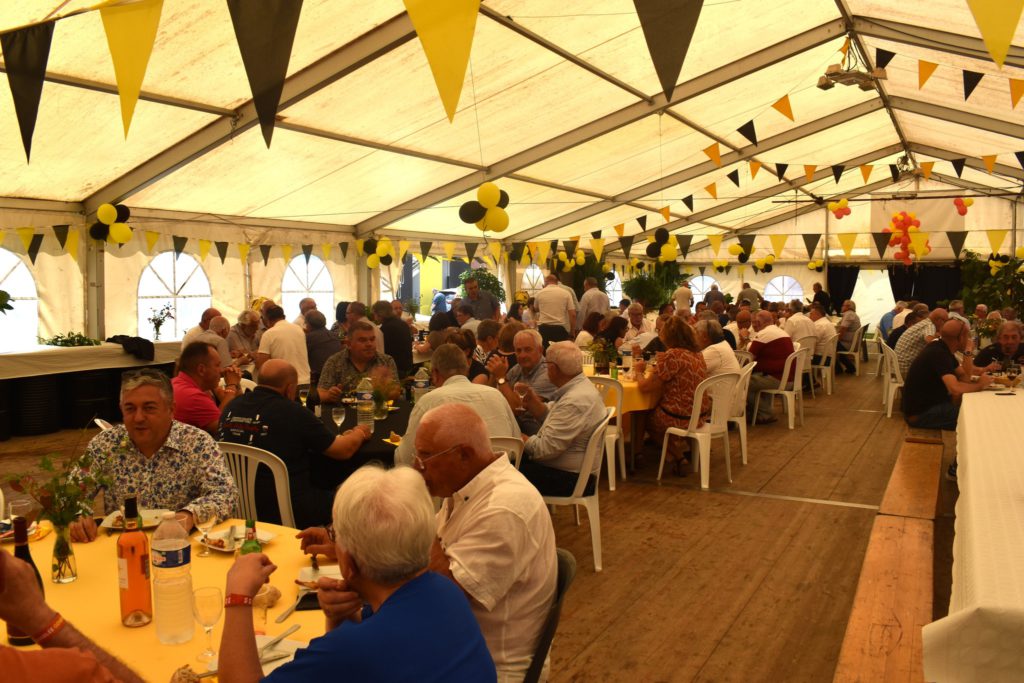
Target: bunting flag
997	22
919	243
471	249
597	246
265	32
883	57
702	270
784	107
958	166
516	253
780	171
712	190
716	243
971	80
403	247
619	229
684	242
688	201
665	213
179	243
540	255
204	249
1016	91
626	243
990	162
286	251
26	52
445	30
243	252
359	247
755	166
894	171
33	247
554	248
222	250
809	170
926	169
642	222
837	172
741	268
1020	158
526	258
595	234
449	249
307	251
668	27
747	242
61	233
71	247
811	243
734	176
924	72
344	249
131	31
265	253
495	248
995	239
25	234
425	250
881	240
846	241
778	244
325	249
865	172
748	131
846	46
714	153
956	241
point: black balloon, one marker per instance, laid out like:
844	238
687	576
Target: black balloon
820	268
654	250
609	276
661	236
386	260
743	257
99	231
768	268
503	199
1004	258
471	212
370	246
123	213
720	269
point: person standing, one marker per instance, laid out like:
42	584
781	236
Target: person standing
286	341
683	298
397	337
439	303
592	301
821	297
750	294
305	306
713	295
556	314
485	305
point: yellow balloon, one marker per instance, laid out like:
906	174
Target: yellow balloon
668	252
383	247
496	219
605	268
580	259
106	213
489	195
373	261
735	249
120	233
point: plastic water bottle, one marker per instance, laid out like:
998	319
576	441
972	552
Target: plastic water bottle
420	384
364	403
172	582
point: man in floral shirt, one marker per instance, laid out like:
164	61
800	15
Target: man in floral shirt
167	464
342	371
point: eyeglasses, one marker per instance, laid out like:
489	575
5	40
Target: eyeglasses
419	461
149	373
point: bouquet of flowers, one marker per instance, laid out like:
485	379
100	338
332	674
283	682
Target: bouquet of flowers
159	317
385	387
987	327
604	351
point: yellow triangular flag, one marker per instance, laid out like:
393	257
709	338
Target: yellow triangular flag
541	256
1016	90
716	243
326	249
989	161
714	153
778	244
755	166
741	268
995	239
525	259
712	190
495	247
865	171
597	246
846	47
359	247
71	244
449	249
997	20
243	252
918	242
445	30
846	241
784	107
924	72
286	250
131	31
809	170
204	249
620	228
926	169
403	246
151	238
665	213
26	236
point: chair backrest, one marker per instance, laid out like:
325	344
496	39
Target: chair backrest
566	573
739	404
246	384
511	445
607	385
892	365
808	342
243	461
721	389
591	460
102	424
744	357
792	371
858	337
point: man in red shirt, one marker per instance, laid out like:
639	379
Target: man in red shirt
771	346
199	374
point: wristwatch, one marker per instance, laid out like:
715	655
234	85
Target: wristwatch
501	380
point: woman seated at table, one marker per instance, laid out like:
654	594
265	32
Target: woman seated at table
384	528
437	329
340	326
676	375
614	329
589	330
466	340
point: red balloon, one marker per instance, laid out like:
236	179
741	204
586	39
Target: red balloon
962	210
917	223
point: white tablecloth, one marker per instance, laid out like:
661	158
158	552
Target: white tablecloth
48	360
982	639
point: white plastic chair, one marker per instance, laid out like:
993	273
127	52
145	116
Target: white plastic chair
739	407
613	435
510	445
591	465
854	351
893	378
721	388
808	342
102	424
243	461
244	384
879	366
790	389
825	368
744	357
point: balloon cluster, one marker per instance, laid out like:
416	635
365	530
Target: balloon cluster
818	265
637	263
962	204
840	208
1019	252
488	211
720	265
997	262
112	224
765	264
607	270
737	251
563	262
901	225
662	248
379	252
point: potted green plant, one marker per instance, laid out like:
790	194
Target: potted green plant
70	339
5	302
488	281
604	353
159	317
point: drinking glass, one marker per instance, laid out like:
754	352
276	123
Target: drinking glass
206	518
19	508
207	606
338	415
521	389
303	395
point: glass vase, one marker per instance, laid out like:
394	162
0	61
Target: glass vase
601	367
380	409
63	568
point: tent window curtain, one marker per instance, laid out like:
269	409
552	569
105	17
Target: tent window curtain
934	284
901	282
841	282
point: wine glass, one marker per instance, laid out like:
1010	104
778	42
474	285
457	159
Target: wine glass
207	606
521	389
303	395
338	415
19	508
1012	371
205	519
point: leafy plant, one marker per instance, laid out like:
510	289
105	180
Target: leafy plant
5	302
70	339
488	281
654	285
996	288
64	493
159	317
604	351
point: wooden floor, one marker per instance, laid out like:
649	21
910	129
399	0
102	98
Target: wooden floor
750	581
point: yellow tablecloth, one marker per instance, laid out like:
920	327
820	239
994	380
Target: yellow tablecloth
91	603
632	398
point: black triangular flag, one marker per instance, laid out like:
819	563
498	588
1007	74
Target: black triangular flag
516	253
33	247
958	165
179	244
881	242
307	251
425	249
61	233
971	81
553	250
596	234
837	171
728	268
894	171
956	240
265	252
748	131
688	200
883	57
734	176
344	249
1020	158
668	28
626	243
26	52
702	269
570	248
811	243
780	170
747	242
684	243
642	220
265	32
471	248
222	250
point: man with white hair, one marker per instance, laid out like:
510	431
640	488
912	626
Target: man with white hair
638	325
556	311
797	324
592	301
683	298
305	306
217	336
242	336
848	326
384	530
552	457
718	355
530	368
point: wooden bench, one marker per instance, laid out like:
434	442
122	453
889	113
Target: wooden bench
894	594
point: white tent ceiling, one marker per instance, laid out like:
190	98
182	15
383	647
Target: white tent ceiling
561	105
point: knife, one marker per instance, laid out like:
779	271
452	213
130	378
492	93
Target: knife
270	644
272	657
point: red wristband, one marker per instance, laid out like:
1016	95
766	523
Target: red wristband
52	629
236	600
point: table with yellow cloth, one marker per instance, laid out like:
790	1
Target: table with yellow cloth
633	401
92	602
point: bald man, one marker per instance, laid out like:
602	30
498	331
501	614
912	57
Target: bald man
740	328
770	346
204	324
269	418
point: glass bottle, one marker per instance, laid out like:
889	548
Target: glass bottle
251	544
133	569
21	551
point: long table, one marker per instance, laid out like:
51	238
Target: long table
49	360
981	638
91	603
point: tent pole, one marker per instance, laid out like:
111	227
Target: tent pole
95	295
1013	233
824	247
247	281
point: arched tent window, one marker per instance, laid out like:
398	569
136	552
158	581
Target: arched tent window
701	285
21	325
783	289
302	280
533	279
180	282
613	288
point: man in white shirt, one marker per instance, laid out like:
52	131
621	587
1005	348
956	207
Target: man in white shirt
204	324
638	325
556	312
798	325
305	306
286	341
823	332
718	355
217	337
683	298
592	301
448	368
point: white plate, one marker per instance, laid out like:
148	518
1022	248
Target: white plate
7	531
264	537
150	519
331	570
284	646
